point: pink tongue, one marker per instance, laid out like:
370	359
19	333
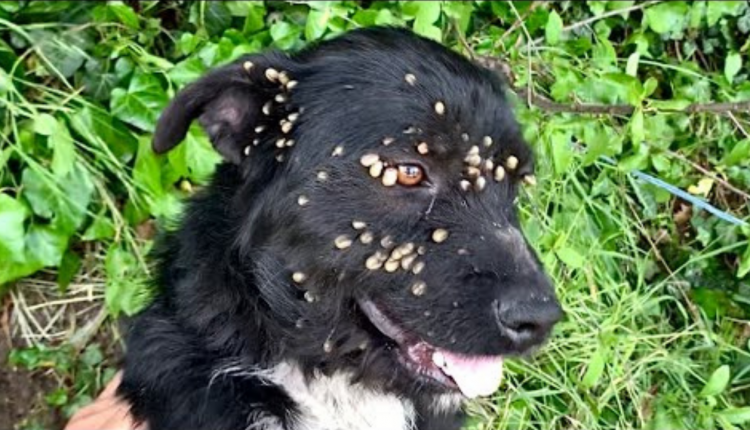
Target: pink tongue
475	376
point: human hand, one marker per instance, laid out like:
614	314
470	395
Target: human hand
107	412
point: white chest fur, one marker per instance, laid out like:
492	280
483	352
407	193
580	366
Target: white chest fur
333	403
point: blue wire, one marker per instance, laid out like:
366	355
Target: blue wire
682	194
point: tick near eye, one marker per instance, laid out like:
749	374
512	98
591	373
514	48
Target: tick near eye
410	175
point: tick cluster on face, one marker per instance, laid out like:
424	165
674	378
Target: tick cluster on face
389	256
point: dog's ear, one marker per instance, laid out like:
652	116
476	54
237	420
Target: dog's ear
227	102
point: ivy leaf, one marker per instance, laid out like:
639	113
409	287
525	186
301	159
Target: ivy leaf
426	16
195	158
254	18
667	17
460	11
64	200
12	216
187	71
554	27
65	52
101	228
317	23
717	9
717	383
141	103
284	34
732	66
147	170
217	17
46	245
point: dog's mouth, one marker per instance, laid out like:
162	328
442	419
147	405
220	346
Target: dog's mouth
474	376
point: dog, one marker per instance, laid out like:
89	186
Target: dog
357	262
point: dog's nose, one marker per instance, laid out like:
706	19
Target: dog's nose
528	321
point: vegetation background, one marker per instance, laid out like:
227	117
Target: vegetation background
614	96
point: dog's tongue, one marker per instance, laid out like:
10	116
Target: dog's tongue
475	376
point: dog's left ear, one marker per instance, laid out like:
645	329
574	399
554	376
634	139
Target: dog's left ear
227	102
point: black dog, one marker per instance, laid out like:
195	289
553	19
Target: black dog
357	263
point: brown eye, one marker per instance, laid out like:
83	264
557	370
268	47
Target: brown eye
410	174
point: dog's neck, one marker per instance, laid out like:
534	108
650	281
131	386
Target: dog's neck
336	403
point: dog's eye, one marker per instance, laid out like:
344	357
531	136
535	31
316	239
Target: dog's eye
410	175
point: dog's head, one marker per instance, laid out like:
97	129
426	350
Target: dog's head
376	217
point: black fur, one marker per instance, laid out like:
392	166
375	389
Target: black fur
225	275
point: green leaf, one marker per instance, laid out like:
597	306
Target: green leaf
386	17
217	17
632	65
660	162
672	104
125	289
649	87
100	129
100	229
667	17
554	27
736	415
697	12
46	245
285	35
141	104
64	200
717	9
39	193
739	154
426	16
64	154
196	158
57	398
65	52
254	18
45	124
92	356
125	14
637	133
187	71
69	267
732	66
595	368
147	170
12	216
600	141
744	267
460	12
562	152
571	257
317	23
717	383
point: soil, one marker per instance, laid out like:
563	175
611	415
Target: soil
22	394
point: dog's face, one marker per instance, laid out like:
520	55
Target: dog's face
376	207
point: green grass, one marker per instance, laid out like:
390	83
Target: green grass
655	290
